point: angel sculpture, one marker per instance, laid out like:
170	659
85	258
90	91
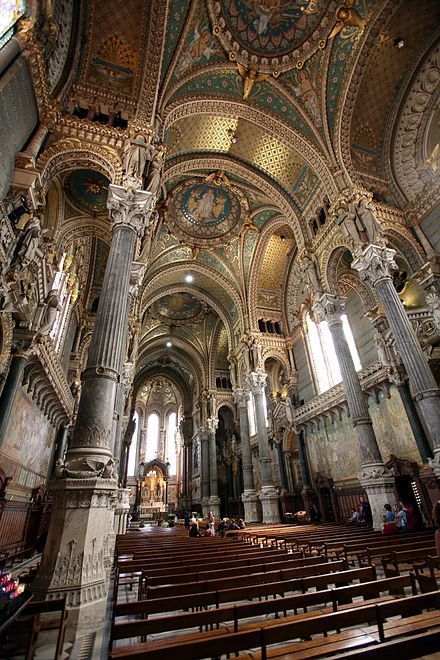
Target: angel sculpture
218	178
346	15
250	77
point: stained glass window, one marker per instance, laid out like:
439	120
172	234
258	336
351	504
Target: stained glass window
152	437
171	453
10	12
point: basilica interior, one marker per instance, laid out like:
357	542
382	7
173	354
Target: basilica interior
219	270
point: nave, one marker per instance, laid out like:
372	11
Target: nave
275	592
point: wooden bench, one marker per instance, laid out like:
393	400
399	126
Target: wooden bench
192	647
403	560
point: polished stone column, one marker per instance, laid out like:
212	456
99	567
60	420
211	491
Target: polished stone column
249	496
268	494
374	476
214	500
60	447
78	553
204	469
376	263
307	491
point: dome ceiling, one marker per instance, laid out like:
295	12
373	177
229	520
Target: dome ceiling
205	213
277	34
87	190
178	309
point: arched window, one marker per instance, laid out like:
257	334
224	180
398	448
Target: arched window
152	437
131	470
171	452
325	361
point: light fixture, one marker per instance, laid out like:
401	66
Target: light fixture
282	237
168	344
399	43
232	136
189	278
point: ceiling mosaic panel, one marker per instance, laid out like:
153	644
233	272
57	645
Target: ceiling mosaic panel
200	46
253	145
381	81
116	39
87	190
274	35
178	308
274	263
176	21
202	213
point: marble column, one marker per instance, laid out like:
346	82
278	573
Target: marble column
249	496
214	500
287	464
268	494
204	469
78	554
375	263
60	446
377	480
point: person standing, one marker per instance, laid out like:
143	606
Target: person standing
365	510
436	519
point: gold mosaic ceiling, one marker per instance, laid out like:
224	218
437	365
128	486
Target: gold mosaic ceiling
203	133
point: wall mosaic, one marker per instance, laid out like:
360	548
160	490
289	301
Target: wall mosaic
28	441
176	20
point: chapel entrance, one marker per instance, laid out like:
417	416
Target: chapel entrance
153	488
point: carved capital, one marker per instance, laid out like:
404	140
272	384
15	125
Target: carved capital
375	263
241	397
212	424
129	208
375	474
329	308
203	433
256	382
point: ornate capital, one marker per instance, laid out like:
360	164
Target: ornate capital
212	424
329	308
375	475
257	382
129	208
241	397
375	263
203	433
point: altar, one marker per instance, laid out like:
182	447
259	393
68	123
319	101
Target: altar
153	492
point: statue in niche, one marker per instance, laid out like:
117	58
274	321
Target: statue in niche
359	221
233	372
137	153
148	237
383	352
289	410
433	302
51	309
158	492
311	272
28	247
253	355
155	177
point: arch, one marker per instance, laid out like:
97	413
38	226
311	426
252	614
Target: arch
81	227
69	154
6	329
401	241
235	109
170	281
186	164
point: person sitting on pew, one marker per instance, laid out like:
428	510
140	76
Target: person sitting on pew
355	516
194	530
232	525
210	529
241	524
389	520
436	520
401	518
223	526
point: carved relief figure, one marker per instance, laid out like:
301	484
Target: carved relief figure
28	247
137	153
51	309
154	179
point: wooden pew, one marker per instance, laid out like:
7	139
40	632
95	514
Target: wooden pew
216	645
392	565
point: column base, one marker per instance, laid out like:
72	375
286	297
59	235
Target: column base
250	503
121	511
206	507
269	499
378	483
434	463
75	559
214	506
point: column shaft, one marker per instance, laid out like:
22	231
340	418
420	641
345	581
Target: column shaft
204	463
249	495
415	423
375	263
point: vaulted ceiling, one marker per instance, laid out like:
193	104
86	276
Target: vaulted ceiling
268	108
